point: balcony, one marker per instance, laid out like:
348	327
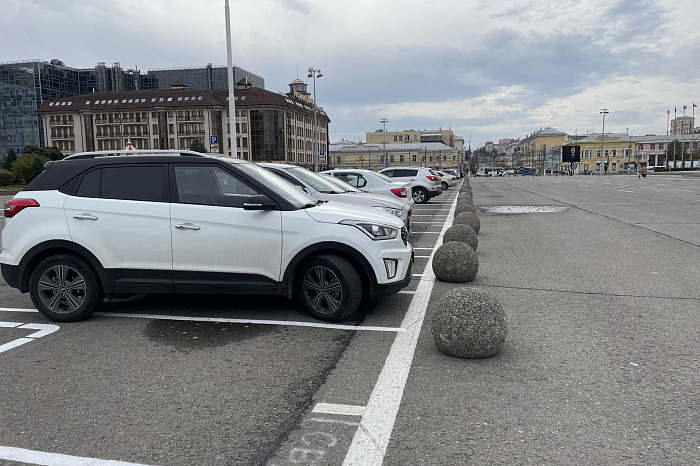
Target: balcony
60	123
190	118
192	132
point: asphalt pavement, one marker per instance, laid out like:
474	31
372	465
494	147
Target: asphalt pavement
600	366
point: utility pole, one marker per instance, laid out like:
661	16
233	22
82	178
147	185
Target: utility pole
603	111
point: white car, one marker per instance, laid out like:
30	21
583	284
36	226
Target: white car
425	183
446	180
373	182
110	223
327	188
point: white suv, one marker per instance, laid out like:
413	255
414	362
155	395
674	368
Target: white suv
101	224
426	182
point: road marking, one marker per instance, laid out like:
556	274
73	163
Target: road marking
427	249
43	330
626	191
420	257
372	435
344	410
55	459
225	320
335	421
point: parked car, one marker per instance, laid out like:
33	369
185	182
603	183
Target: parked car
111	223
373	182
326	188
426	183
447	180
526	171
454	171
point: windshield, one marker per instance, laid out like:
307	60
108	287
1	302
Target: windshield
277	184
342	184
316	181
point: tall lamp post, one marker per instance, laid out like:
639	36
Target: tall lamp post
384	121
603	111
313	73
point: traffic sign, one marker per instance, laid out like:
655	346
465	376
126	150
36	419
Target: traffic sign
213	139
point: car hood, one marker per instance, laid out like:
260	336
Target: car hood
336	212
361	199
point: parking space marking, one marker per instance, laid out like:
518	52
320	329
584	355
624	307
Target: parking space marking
55	459
43	330
289	323
374	432
343	410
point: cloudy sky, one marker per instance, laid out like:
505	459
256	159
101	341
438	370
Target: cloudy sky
488	70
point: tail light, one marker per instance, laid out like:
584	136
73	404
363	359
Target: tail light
15	206
432	177
401	192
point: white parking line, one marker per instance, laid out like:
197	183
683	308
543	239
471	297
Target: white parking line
289	323
55	459
372	435
43	330
343	410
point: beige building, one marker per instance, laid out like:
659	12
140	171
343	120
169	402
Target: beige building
269	126
683	125
411	136
378	156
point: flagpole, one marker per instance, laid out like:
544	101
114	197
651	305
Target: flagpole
668	116
692	137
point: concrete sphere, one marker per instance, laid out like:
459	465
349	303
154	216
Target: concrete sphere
464	207
455	262
468	218
465	190
469	323
463	233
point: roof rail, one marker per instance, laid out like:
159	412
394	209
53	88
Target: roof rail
137	152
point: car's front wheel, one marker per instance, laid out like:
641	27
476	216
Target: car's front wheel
329	287
420	196
64	288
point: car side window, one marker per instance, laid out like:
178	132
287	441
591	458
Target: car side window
402	172
134	183
361	181
350	179
390	173
207	185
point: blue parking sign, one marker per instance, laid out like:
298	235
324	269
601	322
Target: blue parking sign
213	139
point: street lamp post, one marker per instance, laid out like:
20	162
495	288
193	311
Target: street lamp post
314	73
603	111
384	121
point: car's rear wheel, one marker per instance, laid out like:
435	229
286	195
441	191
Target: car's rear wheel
329	287
420	196
64	288
444	185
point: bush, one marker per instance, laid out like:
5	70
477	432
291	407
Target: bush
6	177
26	169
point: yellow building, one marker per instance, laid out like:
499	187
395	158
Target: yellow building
445	136
617	152
531	151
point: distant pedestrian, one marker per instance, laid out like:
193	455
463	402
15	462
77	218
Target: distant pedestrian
644	171
639	171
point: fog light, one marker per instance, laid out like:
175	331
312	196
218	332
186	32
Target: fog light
391	265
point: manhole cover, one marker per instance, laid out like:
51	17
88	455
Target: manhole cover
522	209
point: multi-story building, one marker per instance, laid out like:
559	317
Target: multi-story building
269	126
616	152
411	136
25	85
651	150
531	151
683	125
378	156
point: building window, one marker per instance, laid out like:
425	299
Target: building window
395	138
653	146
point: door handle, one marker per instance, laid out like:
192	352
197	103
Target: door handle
84	217
186	226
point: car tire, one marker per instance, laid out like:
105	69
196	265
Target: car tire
64	288
421	196
329	287
444	186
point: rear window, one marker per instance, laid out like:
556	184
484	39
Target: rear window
402	172
134	183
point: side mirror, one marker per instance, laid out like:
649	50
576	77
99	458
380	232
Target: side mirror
259	202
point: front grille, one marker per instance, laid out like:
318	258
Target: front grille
404	235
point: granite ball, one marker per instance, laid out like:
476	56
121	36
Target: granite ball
455	262
464	207
468	323
463	233
468	218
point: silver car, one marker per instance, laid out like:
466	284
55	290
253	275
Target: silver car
325	188
426	183
373	182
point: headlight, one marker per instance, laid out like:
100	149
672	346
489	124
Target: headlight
373	230
395	212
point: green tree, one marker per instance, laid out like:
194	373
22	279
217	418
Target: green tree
25	168
197	146
10	158
675	152
51	153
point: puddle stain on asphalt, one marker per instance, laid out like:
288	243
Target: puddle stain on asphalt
187	335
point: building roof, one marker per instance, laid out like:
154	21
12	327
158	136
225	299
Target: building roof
176	98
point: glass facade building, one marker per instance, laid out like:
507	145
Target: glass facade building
25	85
